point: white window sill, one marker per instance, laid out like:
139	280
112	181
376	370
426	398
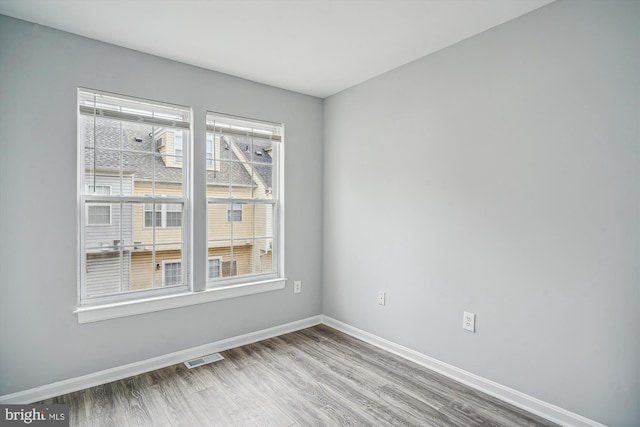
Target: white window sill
166	302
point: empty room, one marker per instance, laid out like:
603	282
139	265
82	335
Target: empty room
320	212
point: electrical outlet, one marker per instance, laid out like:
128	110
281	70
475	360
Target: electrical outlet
469	321
297	286
381	298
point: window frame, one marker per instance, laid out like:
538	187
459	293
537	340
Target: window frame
90	205
162	211
190	292
166	262
214	258
231	212
276	200
114	108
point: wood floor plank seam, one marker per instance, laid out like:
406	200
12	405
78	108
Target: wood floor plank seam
313	377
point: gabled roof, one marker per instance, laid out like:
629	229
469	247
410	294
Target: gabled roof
258	150
140	157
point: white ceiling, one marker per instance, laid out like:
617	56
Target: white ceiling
316	47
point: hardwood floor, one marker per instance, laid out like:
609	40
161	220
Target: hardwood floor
317	376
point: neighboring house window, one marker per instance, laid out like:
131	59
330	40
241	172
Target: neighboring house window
99	213
171	272
243	198
149	214
118	144
177	145
166	215
213	267
209	150
234	212
172	215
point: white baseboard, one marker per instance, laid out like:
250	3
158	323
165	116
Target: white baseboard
509	395
108	375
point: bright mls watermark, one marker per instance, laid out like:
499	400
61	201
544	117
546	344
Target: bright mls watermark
34	415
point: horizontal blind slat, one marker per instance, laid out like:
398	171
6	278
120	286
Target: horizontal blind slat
230	131
132	117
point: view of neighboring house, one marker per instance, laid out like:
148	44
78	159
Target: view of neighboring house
136	245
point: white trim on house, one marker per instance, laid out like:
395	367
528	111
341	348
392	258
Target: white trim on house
504	393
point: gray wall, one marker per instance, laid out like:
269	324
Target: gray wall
500	176
41	340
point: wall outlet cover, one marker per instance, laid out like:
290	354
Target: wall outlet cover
469	321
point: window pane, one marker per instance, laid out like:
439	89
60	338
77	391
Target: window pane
149	209
131	148
155	174
221	257
234	212
173	214
263	220
214	268
172	273
99	214
147	265
112	137
263	168
104	225
218	226
243	156
107	272
262	256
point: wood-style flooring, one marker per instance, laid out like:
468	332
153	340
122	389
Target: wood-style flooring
316	376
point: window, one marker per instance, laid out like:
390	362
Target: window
213	267
173	214
99	214
149	209
177	145
209	150
134	179
171	272
243	198
138	200
234	212
166	214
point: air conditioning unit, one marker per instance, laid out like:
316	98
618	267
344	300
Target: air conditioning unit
159	143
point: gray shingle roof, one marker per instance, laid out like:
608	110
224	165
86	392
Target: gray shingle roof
136	137
260	151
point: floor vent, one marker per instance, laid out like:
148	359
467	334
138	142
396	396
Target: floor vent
215	357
